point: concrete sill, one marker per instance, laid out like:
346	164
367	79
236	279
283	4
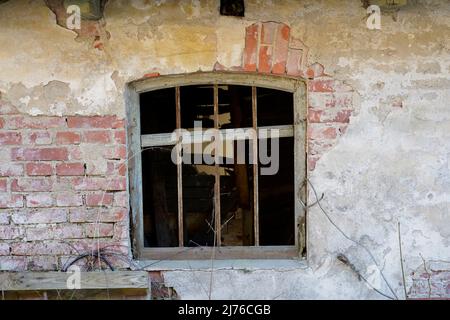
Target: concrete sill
207	265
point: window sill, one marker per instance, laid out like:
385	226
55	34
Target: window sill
234	264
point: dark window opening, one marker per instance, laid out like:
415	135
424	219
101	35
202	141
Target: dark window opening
232	8
217	201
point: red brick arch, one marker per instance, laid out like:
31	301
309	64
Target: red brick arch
271	49
50	193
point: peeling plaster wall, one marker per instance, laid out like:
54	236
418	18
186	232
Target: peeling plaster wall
391	165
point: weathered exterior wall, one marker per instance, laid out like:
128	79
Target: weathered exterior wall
378	125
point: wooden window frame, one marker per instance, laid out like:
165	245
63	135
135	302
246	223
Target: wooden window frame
135	142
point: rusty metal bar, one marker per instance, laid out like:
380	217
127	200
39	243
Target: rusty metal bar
179	171
255	168
218	224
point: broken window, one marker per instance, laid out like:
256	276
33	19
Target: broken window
218	171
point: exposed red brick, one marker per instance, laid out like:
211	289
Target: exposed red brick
265	59
31	184
68	137
98	45
328	116
342	129
397	103
284	32
45	215
315	70
2	123
322	132
99	230
42	263
97	215
4	249
3	185
98	168
88	245
9	170
115	152
62	231
10	138
121	231
74	153
314	115
340	100
118	124
70	169
104	122
328	85
39	169
39	200
120	136
251	47
117	168
343	116
52	247
321	86
97	183
97	137
116	184
110	168
268	31
9	233
6	108
4	217
11	201
312	162
99	199
88	183
159	290
156	276
309	73
27	122
121	199
219	67
39	137
293	63
42	154
281	50
151	75
9	263
122	169
67	199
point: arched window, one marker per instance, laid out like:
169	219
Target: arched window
217	165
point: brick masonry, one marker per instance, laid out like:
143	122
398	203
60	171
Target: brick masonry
63	180
431	281
63	185
62	188
270	48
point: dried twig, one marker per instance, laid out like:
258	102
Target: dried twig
352	267
401	260
318	201
428	275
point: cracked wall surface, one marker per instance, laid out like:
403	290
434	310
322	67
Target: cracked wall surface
379	126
